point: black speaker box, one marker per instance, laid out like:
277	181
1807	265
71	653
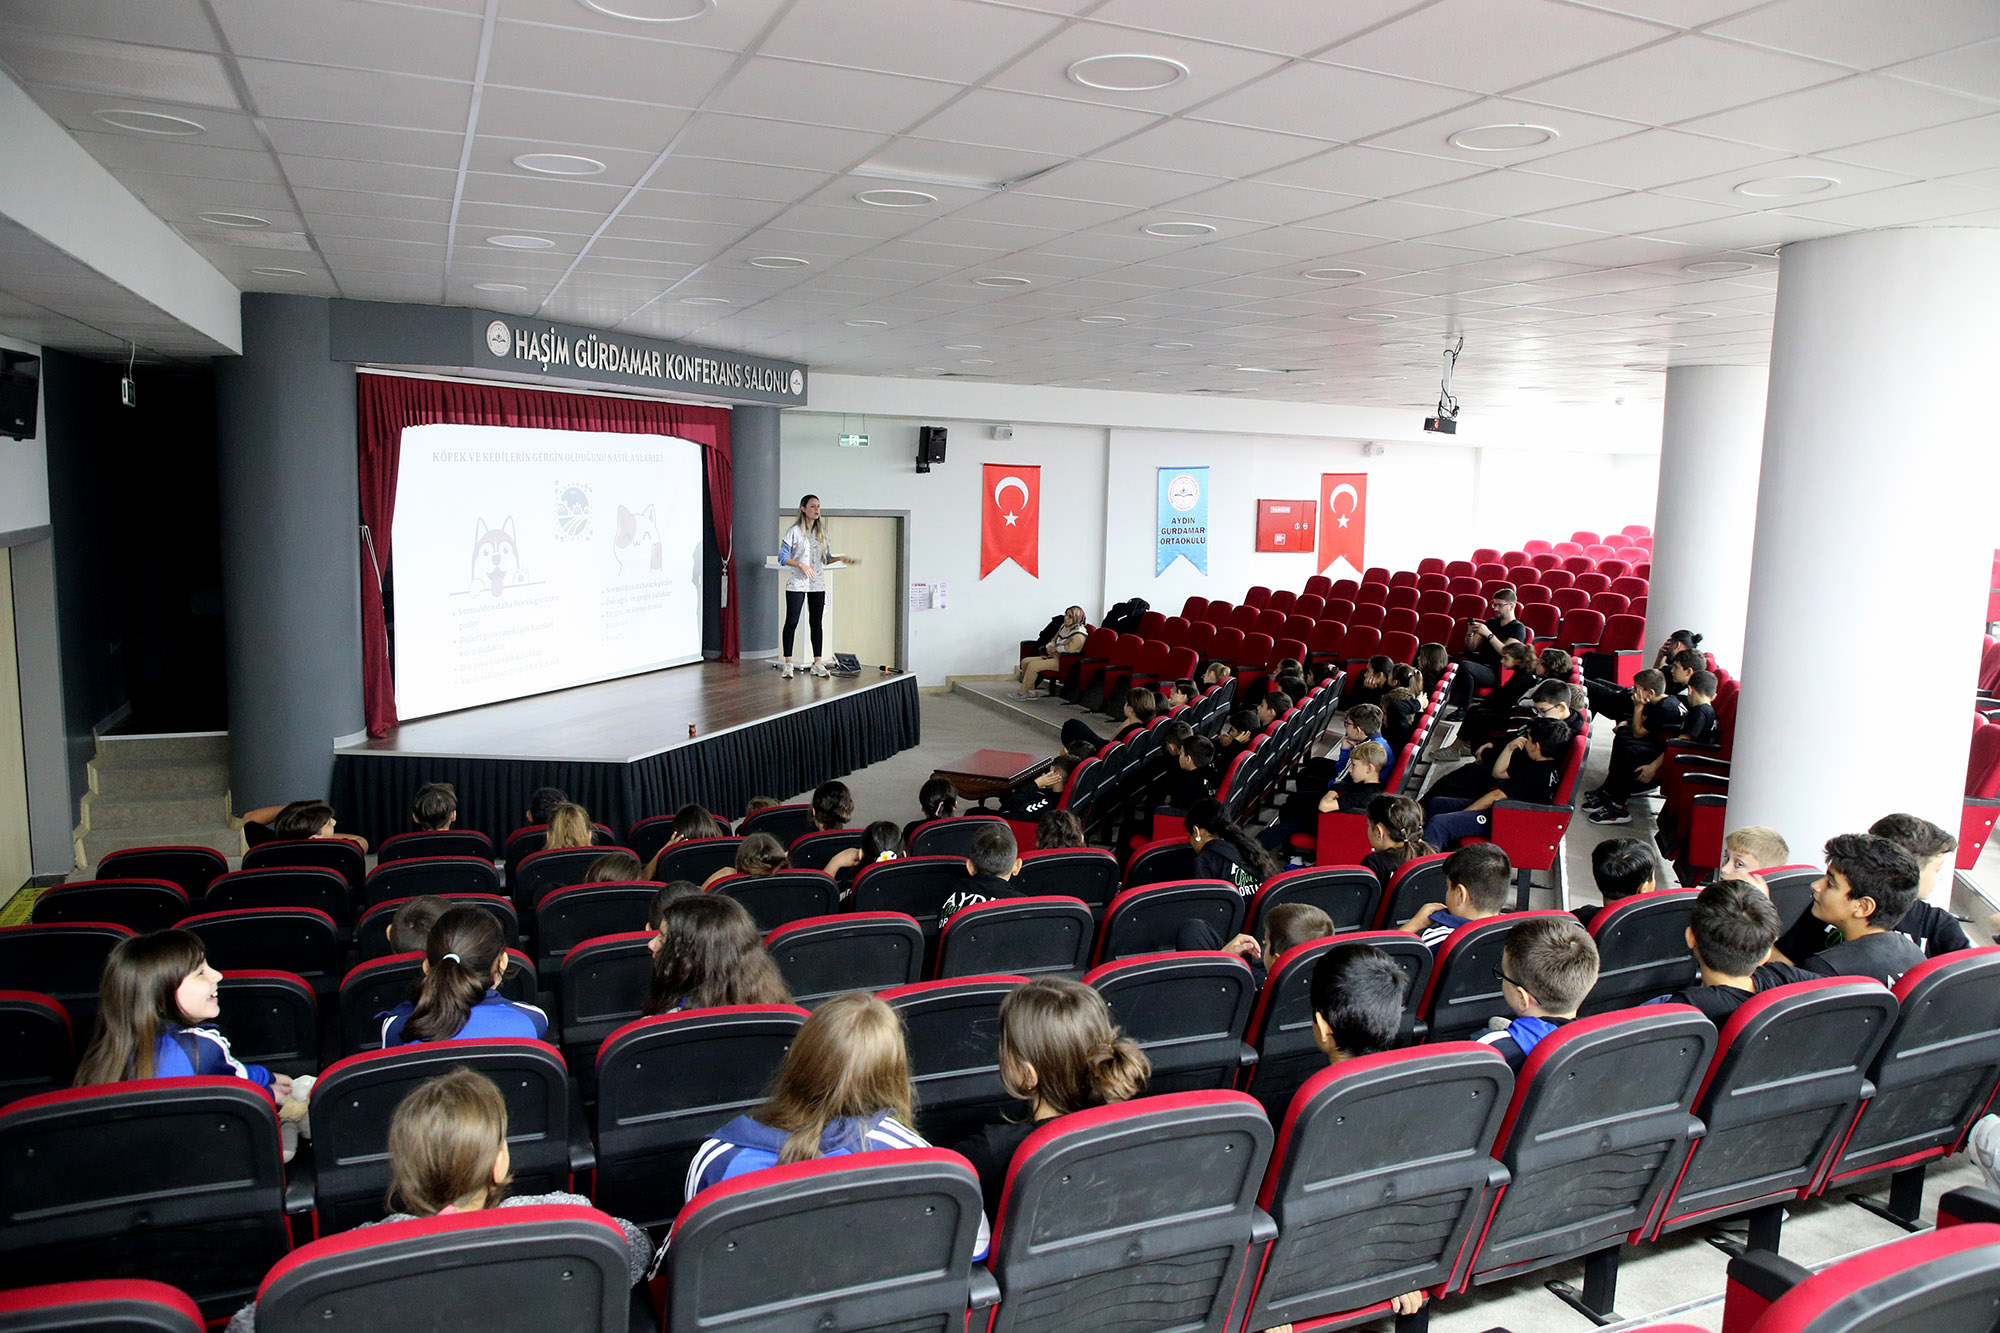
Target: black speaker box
930	444
17	404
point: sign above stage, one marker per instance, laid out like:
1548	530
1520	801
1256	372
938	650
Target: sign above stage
464	338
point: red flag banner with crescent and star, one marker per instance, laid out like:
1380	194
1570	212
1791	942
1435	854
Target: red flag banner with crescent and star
1343	521
1010	518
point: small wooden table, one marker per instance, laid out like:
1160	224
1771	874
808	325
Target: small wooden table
985	773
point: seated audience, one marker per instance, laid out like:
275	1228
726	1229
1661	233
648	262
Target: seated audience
1547	968
757	854
1610	699
880	841
1479	668
1478	883
542	803
465	959
690	822
1222	850
1361	725
995	860
1193	776
1870	883
1274	705
1750	850
619	867
1656	718
435	808
1140	707
1432	661
1698	727
1286	927
1238	730
410	927
664	897
756	803
1622	868
1550	699
1529	768
1403	706
1066	635
1214	674
1180	694
708	951
1302	809
1058	828
1396	833
569	827
296	822
1489	716
1377	677
938	799
832	807
1730	933
1930	925
1060	1053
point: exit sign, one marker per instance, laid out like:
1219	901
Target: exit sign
854	441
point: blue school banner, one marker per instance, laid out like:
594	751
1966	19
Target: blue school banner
1182	527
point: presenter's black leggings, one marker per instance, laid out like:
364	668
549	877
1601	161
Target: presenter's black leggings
799	601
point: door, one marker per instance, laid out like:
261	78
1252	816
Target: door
864	603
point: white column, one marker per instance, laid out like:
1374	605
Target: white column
1711	443
1867	588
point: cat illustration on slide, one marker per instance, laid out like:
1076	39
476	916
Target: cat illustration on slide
637	543
496	560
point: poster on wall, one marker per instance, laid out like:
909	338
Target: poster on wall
1181	526
1285	526
1343	522
1010	517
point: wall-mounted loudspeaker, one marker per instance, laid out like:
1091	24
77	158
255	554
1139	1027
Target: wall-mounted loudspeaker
930	447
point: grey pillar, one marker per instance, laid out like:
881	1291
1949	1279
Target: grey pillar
44	747
285	431
753	450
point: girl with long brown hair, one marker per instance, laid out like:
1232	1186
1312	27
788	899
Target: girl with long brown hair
707	952
465	959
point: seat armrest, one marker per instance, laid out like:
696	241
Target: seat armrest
1767	1275
1246	1055
1263	1227
301	1183
582	1152
985	1290
1968	1204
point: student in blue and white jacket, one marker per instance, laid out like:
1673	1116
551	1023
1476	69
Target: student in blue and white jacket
843	1087
1547	967
465	960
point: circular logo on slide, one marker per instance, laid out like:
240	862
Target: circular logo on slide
572	511
798	381
1183	492
498	339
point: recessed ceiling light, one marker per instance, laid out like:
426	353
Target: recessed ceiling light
1719	266
1100	319
976	361
1403	345
1785	187
651	11
1127	73
1332	274
149	122
1663	345
1373	317
965	347
1000	280
498	287
245	220
1173	347
280	272
896	198
1177	230
559	164
1686	316
1501	138
704	300
930	370
778	261
520	242
1156	372
1392	377
867	323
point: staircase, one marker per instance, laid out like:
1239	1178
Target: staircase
151	790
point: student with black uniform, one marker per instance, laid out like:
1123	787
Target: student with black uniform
1396	833
1027	803
1193	777
1622	868
1140	706
1529	768
1286	927
1869	883
1222	850
995	860
1238	730
1376	681
1402	706
1489	716
1361	784
1273	706
1610	699
1934	929
1550	699
1680	670
1656	717
1479	668
1699	726
1730	933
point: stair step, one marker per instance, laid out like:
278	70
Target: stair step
156	812
222	838
171	777
992	695
197	747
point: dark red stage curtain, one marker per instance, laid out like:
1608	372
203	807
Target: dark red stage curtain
389	403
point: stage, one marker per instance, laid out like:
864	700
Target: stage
622	748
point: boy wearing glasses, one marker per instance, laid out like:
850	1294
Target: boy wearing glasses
1479	669
1546	970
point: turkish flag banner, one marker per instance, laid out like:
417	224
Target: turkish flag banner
1010	517
1343	521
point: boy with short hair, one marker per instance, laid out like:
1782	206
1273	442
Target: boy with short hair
1547	967
995	860
1751	850
1302	809
1193	774
436	807
1623	868
1869	884
1357	1002
1238	730
1529	768
1273	706
1934	930
1698	726
410	927
1286	927
1730	933
1478	883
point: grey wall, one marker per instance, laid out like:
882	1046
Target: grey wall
753	450
285	424
38	659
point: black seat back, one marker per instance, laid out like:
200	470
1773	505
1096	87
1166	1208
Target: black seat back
271	1019
134	1305
696	859
1150	919
783	822
1347	894
784	897
312	887
193	868
1416	882
568	916
953	1032
812	851
866	951
1087	873
1642	949
1281	1026
540	872
64	961
371	933
441	875
603	986
335	854
291	939
1393	1148
41	1054
952	836
434	842
206	1214
1187	1011
1160	862
916	886
137	904
1023	936
1465	985
648	1127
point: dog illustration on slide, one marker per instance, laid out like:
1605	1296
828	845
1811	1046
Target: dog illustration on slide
636	544
496	559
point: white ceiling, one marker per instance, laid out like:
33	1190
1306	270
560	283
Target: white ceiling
377	140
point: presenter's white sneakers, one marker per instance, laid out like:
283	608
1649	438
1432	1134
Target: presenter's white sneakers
785	672
819	669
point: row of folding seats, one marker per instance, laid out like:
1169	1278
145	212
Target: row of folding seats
1620	1128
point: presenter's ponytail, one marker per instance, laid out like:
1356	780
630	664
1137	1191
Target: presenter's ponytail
464	957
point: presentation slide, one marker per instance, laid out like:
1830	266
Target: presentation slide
531	560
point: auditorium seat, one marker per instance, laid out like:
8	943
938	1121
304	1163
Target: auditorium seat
1593	581
1417	881
1086	873
952	1027
1943	1280
603	986
812	851
1298	627
855	950
107	1305
291	939
434	842
1244	618
1360	643
193	868
371	933
310	887
1166	859
1149	918
1020	936
696	859
1188	1012
1464	990
140	905
783	822
1609	604
1642	949
780	898
731	1238
1311	605
1621	650
371	989
1599	1126
272	1019
1346	892
1281	1022
1399	646
526	841
1580	631
88	1191
1982	794
41	1053
540	872
1434	627
1528	594
916	886
577	912
951	836
1324	643
1218	613
441	875
355	1099
544	1266
1348	1240
335	854
1180	1256
648	1127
